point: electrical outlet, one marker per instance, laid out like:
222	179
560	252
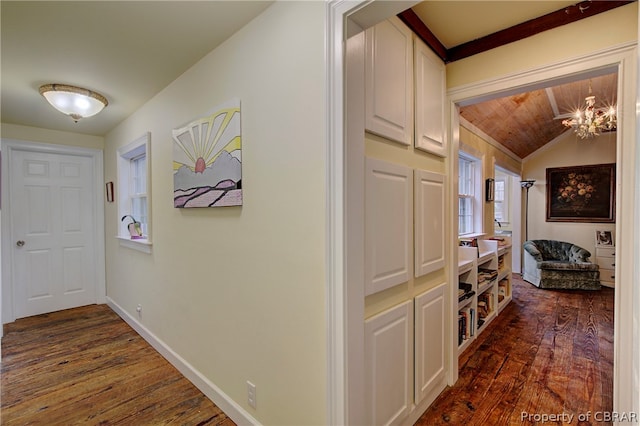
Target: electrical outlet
251	394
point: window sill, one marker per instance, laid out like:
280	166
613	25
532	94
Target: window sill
142	245
473	235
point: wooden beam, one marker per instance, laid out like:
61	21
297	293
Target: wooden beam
532	27
535	26
412	20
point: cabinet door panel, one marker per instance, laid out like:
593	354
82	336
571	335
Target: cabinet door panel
388	225
429	222
389	80
430	343
389	365
430	101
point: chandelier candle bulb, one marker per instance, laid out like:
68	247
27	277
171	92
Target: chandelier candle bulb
592	121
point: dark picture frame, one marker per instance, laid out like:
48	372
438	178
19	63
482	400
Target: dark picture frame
604	239
581	193
490	189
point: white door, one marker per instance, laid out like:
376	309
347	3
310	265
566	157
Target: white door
53	232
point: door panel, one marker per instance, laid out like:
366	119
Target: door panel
52	213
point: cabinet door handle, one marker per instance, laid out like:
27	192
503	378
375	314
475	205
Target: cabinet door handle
20	243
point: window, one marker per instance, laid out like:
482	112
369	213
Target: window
501	209
133	192
499	205
469	194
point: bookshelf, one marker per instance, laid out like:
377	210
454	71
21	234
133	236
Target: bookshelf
484	283
467	285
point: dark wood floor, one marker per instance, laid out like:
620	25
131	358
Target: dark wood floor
87	366
548	353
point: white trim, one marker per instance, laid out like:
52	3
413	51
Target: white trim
142	244
8	146
622	58
567	70
214	393
335	283
343	385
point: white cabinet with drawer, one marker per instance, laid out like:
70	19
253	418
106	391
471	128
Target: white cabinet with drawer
606	260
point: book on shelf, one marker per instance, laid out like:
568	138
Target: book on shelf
466	318
485	304
503	285
465	291
486	275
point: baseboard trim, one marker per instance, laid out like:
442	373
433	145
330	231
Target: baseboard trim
238	414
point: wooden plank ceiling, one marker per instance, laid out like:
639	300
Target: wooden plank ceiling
525	122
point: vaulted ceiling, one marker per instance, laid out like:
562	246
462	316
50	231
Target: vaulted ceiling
525	122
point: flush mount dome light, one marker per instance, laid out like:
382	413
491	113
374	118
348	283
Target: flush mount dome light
73	101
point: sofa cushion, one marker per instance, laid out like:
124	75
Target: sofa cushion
567	266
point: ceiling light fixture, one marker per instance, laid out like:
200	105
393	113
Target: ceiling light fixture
73	101
589	122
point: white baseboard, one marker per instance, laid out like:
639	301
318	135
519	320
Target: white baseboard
238	414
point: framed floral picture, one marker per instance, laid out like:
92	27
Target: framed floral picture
581	193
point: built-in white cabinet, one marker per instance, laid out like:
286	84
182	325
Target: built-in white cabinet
389	80
429	222
388	224
430	344
405	88
389	365
606	260
430	83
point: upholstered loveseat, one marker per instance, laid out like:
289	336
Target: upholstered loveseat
560	265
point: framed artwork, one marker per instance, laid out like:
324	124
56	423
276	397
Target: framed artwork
581	193
207	160
109	189
490	189
604	238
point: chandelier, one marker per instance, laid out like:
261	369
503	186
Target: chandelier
589	122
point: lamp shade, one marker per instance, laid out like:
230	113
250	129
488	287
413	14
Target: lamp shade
73	101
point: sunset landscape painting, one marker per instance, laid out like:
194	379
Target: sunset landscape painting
207	160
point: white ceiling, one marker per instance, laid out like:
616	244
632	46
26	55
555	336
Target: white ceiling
479	18
127	51
131	50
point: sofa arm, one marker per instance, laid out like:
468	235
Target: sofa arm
531	248
578	254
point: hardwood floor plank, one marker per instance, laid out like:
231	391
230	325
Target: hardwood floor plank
87	366
549	352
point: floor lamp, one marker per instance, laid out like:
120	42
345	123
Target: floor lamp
526	184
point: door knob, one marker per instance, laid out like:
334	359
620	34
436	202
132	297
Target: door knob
20	243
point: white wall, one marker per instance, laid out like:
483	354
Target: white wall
238	292
568	150
36	134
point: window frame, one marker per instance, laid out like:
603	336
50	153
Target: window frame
504	177
126	155
476	195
